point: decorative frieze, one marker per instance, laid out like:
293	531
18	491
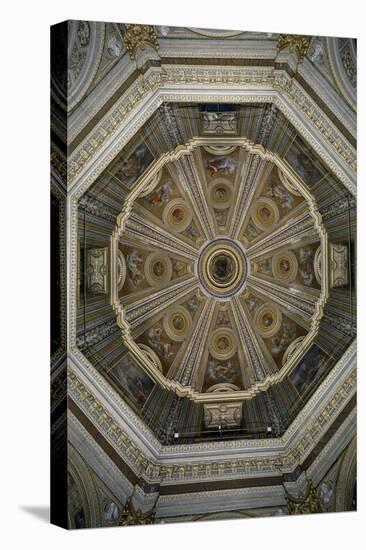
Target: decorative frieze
145	231
194	352
291	232
297	301
142	309
222	416
97	270
338	265
338	207
158	78
174	472
219	123
256	360
97	334
97	208
188	176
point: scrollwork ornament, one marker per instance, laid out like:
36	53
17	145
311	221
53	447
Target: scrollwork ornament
306	503
138	36
296	43
130	516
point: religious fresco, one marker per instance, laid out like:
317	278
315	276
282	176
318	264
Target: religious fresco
159	196
223	166
302	160
132	380
310	370
206	253
129	169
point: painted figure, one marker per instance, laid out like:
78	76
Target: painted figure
282	342
191	231
179	267
192	304
134	263
130	169
221	216
222	320
218	372
304	166
310	369
159	196
277	191
306	269
265	266
133	380
252	230
155	339
221	165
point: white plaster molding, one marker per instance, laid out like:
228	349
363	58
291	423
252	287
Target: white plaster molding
329	95
229	450
204	502
223	49
206	92
92	104
98	460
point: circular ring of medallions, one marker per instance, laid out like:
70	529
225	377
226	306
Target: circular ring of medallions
265	213
222	268
177	323
158	269
177	215
121	270
220	194
285	266
223	344
268	320
151	355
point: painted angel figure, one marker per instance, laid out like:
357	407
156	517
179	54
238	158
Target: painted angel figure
306	265
134	263
276	190
159	196
223	165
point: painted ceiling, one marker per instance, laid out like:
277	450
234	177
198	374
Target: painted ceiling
217	271
204	271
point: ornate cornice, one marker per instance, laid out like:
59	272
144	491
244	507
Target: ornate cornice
252	85
61	198
237	457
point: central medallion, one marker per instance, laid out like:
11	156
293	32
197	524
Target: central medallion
222	268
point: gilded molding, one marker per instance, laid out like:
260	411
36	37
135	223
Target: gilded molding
314	309
345	369
157	470
63	283
244	79
306	503
295	43
136	37
130	516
